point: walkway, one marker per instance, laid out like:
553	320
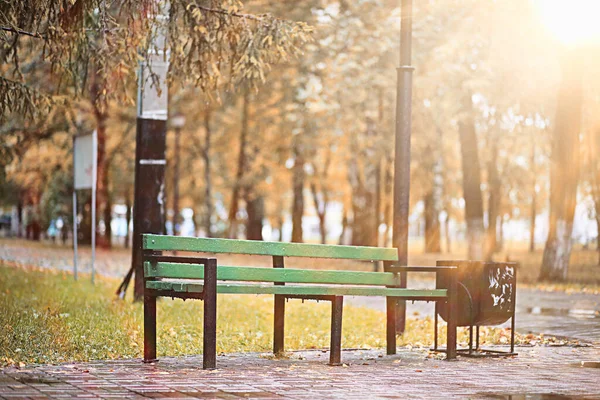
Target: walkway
536	373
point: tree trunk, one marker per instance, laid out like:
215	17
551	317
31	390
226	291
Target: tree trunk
176	213
85	228
363	180
108	221
241	165
127	217
439	183
342	239
364	232
207	180
598	230
387	212
447	231
255	208
432	225
102	197
298	178
102	183
533	201
493	204
321	209
380	166
434	200
378	200
500	241
471	181
564	171
20	216
280	222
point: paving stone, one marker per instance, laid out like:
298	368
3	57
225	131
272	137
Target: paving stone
539	370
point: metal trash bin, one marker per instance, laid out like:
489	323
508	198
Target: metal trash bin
486	296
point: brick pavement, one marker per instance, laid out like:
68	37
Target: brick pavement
537	373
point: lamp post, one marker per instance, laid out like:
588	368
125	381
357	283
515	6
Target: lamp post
402	164
178	121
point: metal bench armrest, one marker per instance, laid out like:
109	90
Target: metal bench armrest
177	259
417	268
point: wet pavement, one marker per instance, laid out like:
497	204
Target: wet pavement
540	372
537	373
571	315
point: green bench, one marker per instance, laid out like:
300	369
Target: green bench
202	278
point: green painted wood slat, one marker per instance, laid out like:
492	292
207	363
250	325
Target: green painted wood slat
233	246
258	274
299	290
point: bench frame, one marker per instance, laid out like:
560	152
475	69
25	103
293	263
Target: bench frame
209	296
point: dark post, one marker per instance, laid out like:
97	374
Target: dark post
402	151
390	332
148	204
177	121
452	314
335	347
149	328
209	356
279	313
390	303
514	306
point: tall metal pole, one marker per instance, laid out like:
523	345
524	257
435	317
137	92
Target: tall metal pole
402	151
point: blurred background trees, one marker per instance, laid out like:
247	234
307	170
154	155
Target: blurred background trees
291	138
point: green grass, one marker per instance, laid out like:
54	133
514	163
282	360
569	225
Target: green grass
49	318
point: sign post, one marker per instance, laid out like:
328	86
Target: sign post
85	170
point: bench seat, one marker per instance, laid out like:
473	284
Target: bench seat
300	290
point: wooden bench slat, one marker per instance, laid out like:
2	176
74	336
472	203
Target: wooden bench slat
259	274
233	246
193	287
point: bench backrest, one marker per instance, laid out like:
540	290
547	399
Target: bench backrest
210	245
259	274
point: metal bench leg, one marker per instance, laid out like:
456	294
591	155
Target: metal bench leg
278	313
279	324
209	356
452	311
514	310
435	327
391	325
149	328
335	348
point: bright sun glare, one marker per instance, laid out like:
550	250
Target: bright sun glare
573	22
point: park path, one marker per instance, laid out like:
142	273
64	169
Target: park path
536	373
574	315
539	372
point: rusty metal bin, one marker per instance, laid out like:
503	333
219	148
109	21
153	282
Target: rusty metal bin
486	295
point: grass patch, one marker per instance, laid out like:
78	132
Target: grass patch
49	318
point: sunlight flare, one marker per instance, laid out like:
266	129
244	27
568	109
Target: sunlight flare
572	22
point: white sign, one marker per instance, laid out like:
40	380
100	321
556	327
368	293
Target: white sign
85	150
151	104
84	160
